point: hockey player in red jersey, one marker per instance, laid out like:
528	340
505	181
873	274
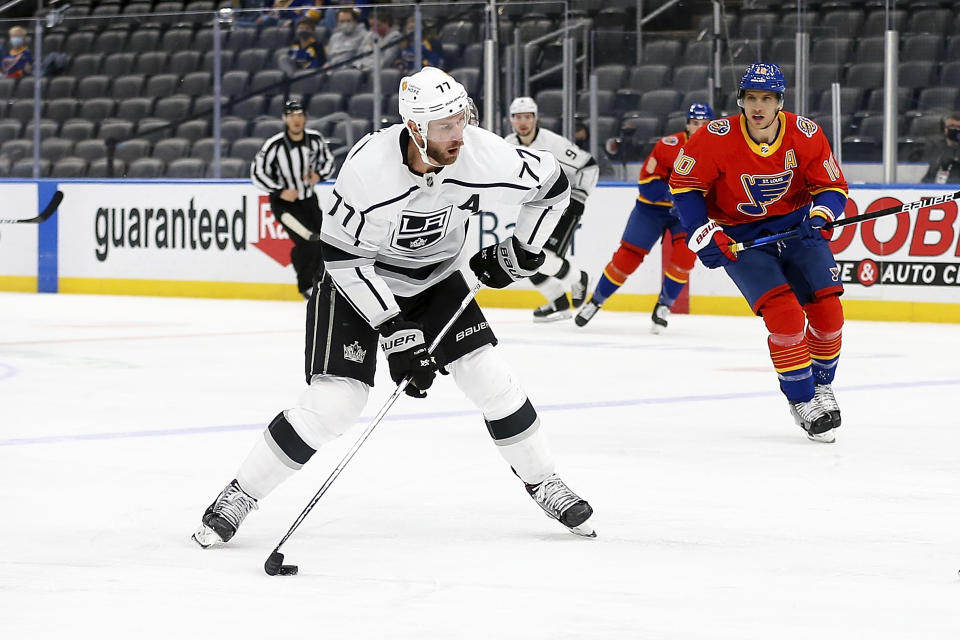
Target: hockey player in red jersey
653	214
759	173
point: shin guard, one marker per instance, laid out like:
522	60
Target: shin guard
824	336
788	347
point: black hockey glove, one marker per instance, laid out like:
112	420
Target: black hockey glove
407	355
500	265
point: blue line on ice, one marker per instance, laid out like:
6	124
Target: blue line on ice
566	406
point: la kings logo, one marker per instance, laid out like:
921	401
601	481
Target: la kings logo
354	352
419	230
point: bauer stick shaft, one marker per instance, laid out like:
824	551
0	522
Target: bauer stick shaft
373	423
48	211
793	233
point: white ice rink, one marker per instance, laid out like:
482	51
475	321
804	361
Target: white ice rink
122	418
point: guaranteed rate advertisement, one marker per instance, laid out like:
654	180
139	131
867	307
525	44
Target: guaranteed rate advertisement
222	240
166	234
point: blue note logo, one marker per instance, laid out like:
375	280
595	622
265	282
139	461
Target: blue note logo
763	191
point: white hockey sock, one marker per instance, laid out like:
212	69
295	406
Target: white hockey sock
530	457
262	471
552	264
551	289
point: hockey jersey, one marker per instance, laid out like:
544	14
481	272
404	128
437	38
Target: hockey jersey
744	181
655	172
581	169
389	231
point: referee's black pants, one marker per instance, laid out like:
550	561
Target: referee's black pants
305	255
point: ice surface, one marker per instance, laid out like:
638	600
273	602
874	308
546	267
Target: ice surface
121	419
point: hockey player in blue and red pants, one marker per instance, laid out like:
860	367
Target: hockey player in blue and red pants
760	173
652	216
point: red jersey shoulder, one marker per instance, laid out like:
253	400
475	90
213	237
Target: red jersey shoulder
801	132
671	140
721	126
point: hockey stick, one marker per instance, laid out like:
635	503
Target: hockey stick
274	564
48	211
793	233
298	227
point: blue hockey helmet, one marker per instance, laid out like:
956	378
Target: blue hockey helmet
700	111
763	76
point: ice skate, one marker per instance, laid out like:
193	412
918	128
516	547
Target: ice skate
586	313
222	518
824	395
563	505
559	309
659	318
814	419
578	292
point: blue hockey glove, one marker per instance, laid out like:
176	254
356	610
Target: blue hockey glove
812	229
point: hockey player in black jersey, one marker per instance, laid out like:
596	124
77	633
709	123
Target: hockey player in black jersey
392	240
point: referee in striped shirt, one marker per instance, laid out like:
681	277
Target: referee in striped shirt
287	167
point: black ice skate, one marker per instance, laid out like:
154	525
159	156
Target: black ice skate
824	395
659	318
563	505
559	309
578	292
814	419
586	313
222	518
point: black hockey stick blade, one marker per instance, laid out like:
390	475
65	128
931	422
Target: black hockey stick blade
274	566
48	211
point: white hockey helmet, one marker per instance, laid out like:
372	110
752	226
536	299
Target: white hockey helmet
431	94
523	104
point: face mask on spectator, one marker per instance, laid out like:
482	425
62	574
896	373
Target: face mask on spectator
347	27
953	133
304	35
16	42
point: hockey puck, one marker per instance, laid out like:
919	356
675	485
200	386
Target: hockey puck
274	566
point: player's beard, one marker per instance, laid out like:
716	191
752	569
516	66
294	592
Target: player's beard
442	154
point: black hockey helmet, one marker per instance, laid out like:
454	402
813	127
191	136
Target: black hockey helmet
293	106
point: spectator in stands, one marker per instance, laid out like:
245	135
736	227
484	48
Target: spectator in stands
345	40
282	17
305	52
248	17
382	30
330	16
18	61
945	154
431	50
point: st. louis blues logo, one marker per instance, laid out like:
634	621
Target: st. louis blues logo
763	191
807	127
720	127
418	230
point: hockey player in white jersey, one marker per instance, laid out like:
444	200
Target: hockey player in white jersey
392	239
558	274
